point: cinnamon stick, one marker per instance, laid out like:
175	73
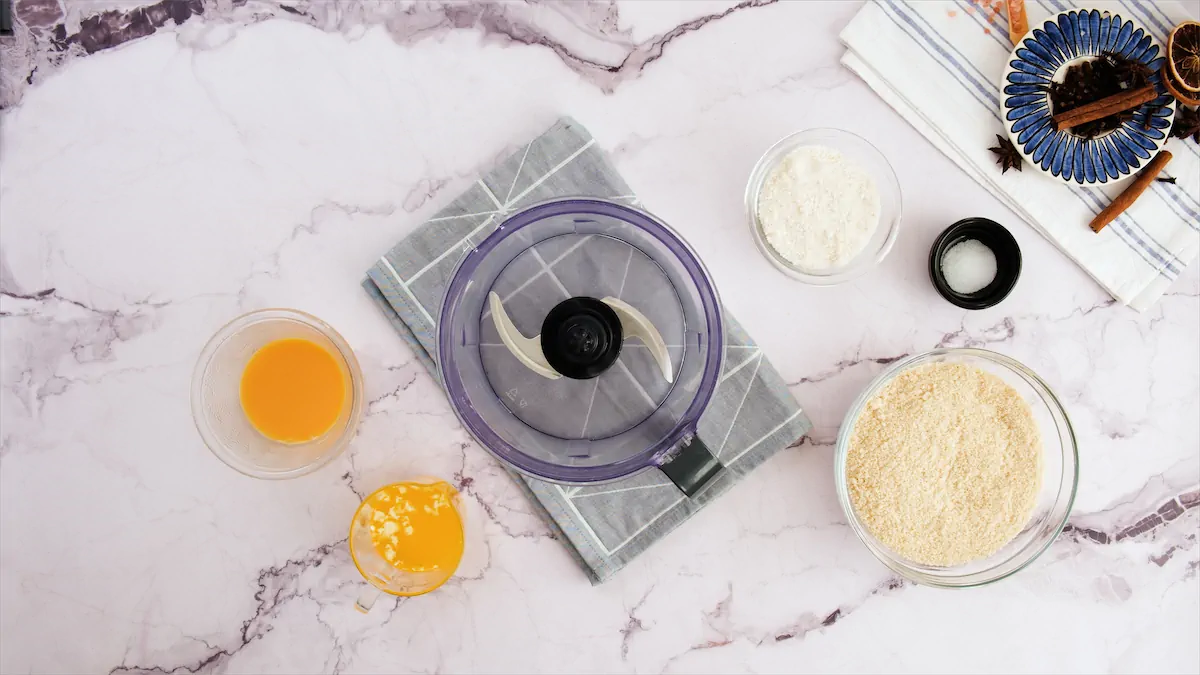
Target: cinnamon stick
1018	24
1131	193
1109	105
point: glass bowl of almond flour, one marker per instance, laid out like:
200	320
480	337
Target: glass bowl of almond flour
957	467
824	206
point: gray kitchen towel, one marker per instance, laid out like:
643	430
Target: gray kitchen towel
751	417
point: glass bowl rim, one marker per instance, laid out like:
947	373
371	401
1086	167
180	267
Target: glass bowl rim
232	328
770	159
892	560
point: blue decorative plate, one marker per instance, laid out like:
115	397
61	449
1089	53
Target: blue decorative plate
1042	56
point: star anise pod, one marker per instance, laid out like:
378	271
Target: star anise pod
1187	123
1007	155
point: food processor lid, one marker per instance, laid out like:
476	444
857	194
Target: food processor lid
580	341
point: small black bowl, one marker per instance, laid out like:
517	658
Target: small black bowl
990	234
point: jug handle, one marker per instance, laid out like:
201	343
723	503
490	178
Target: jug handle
691	466
366	599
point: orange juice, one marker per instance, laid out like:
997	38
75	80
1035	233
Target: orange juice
415	527
293	390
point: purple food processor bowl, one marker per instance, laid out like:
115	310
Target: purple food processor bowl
582	431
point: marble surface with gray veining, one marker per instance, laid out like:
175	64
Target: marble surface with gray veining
166	166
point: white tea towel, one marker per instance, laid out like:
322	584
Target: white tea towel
939	64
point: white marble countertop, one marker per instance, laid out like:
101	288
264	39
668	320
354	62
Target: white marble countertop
265	156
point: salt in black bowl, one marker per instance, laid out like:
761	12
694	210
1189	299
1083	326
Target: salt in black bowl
990	234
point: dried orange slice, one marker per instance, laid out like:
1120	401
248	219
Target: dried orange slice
1177	89
1183	56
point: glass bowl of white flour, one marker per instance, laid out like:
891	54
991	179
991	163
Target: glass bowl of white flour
824	206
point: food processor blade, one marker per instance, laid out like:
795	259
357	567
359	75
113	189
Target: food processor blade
632	325
527	350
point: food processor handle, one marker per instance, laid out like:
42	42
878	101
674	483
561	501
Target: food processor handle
692	466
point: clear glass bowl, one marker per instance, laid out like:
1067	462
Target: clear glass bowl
865	155
216	400
1060	474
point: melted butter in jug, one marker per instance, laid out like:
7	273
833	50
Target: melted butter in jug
416	528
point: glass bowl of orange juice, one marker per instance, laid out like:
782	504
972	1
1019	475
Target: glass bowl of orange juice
407	538
277	393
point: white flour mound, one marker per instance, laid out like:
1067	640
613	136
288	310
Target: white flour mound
818	209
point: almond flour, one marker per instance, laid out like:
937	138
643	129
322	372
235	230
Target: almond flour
944	464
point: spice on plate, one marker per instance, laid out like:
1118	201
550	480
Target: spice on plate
968	267
1007	155
945	464
818	208
1091	81
1131	193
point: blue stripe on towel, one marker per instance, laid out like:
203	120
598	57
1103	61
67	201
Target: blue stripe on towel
1171	197
997	33
981	79
989	97
1147	17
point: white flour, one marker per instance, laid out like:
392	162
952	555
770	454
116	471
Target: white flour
818	209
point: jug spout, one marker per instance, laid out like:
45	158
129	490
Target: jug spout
366	599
